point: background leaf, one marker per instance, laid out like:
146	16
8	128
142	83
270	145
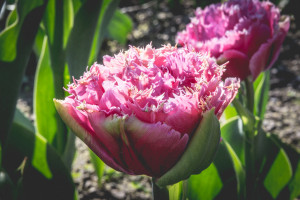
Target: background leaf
44	108
44	171
119	27
229	112
98	165
279	174
13	68
292	189
239	170
58	21
9	37
107	11
232	132
86	38
175	191
205	185
271	157
261	96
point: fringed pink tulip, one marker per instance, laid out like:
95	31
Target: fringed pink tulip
247	33
139	110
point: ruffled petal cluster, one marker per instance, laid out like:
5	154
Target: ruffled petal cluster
247	33
139	109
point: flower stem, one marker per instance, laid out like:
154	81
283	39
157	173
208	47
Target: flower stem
158	192
250	95
249	127
184	189
247	118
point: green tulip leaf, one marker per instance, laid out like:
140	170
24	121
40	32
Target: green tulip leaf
261	96
39	42
12	18
272	164
292	189
226	171
294	185
106	13
44	171
16	43
119	27
98	165
239	170
57	23
175	191
232	133
86	38
205	185
199	153
9	36
44	109
229	112
279	174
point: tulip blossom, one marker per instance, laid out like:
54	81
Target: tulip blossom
247	33
139	110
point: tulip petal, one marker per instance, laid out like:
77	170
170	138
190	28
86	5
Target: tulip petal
237	65
199	153
157	145
63	110
85	130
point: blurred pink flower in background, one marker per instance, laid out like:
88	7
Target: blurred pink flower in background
139	109
247	33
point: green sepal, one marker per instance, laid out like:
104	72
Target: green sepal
199	153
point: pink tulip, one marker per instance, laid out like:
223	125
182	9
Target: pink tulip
139	109
247	33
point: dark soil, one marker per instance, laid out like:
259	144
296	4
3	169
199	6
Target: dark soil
154	22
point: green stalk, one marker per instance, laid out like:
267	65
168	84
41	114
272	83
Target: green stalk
250	95
250	168
158	192
184	189
248	119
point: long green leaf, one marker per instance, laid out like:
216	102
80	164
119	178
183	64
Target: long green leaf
39	41
44	108
57	21
44	172
107	11
232	132
279	174
292	189
271	157
81	36
16	44
239	170
175	191
224	165
87	34
9	37
98	165
294	185
119	27
229	112
261	96
205	185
